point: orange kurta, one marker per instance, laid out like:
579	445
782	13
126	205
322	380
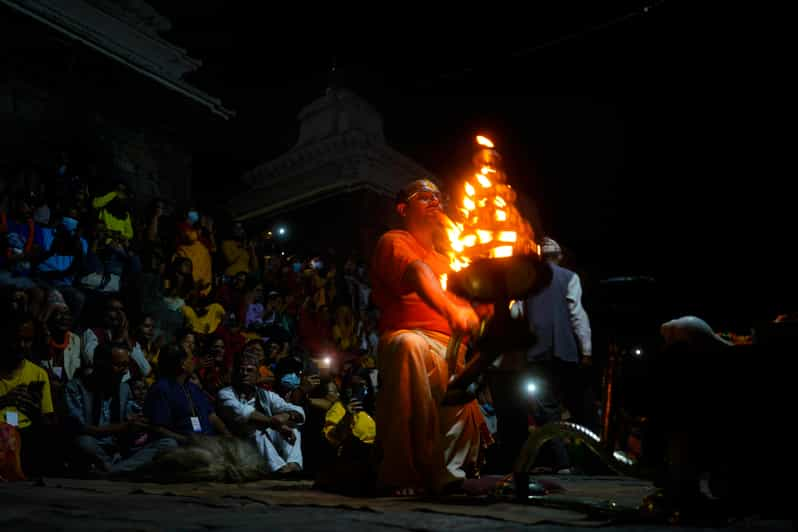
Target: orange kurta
424	445
399	309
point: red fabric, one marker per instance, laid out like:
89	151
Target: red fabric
233	343
400	309
10	445
214	379
315	332
232	300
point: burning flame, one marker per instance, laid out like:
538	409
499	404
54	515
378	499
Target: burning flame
490	226
484	181
484	141
501	251
507	236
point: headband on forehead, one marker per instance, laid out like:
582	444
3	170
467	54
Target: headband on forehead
413	188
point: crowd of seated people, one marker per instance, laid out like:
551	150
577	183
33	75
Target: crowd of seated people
127	332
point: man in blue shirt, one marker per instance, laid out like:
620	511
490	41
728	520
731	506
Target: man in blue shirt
21	244
63	259
177	407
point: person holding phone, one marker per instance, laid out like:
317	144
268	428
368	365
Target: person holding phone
25	399
103	426
348	418
350	465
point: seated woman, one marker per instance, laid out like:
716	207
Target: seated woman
61	356
58	353
183	295
192	246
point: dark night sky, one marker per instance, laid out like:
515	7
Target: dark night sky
637	133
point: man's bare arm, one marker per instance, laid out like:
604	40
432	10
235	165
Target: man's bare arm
420	278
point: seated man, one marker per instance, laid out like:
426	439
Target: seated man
176	407
116	328
99	412
262	416
25	400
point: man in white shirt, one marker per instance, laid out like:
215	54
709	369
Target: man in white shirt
263	416
117	329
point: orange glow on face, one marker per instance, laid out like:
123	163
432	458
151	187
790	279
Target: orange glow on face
484	181
484	141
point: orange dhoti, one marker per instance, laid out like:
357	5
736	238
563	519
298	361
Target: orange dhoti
425	445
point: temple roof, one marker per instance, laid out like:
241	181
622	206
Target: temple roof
126	31
341	148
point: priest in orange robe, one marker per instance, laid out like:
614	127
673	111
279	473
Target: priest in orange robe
426	447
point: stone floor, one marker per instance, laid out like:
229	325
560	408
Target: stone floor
62	504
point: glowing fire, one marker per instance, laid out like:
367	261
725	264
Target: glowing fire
489	225
484	141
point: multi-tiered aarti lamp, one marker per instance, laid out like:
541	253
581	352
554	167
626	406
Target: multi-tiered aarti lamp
494	259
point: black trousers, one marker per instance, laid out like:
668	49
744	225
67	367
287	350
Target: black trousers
557	385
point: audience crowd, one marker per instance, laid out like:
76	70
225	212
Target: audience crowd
129	330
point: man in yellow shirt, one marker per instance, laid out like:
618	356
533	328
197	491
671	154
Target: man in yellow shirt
114	211
24	389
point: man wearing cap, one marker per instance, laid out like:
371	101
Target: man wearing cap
426	447
562	328
262	417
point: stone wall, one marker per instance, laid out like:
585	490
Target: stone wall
58	96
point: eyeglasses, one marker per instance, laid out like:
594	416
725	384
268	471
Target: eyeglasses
425	196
